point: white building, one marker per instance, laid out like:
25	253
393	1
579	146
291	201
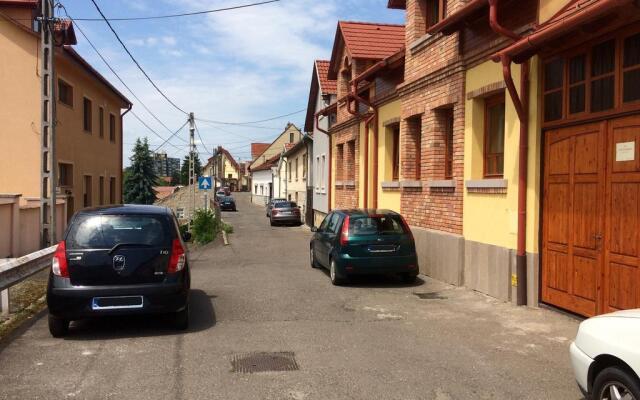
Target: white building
321	94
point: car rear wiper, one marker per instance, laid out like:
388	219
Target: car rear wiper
117	245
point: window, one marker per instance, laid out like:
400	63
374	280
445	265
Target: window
255	189
296	168
288	168
339	161
304	166
334	224
105	231
395	143
112	128
112	190
322	165
448	142
317	173
101	121
65	93
603	77
229	176
436	10
631	69
413	148
101	190
86	112
290	137
86	191
180	213
65	175
494	137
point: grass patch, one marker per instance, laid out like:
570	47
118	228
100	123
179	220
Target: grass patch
27	299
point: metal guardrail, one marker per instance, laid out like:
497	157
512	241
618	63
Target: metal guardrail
15	270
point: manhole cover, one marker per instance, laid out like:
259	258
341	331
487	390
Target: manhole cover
430	296
262	362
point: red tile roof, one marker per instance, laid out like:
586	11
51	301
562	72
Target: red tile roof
258	148
327	86
365	40
267	164
164	191
371	40
19	3
289	146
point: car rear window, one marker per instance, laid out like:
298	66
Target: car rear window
227	198
105	231
286	204
376	225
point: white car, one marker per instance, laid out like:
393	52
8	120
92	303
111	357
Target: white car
606	356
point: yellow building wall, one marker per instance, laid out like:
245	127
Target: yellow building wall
388	199
20	122
548	8
492	218
229	169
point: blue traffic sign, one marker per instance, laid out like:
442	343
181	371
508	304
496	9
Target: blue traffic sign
204	183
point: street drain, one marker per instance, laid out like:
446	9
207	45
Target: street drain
430	296
263	362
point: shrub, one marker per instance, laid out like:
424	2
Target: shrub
204	226
227	228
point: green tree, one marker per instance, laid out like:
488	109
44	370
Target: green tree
175	178
184	171
139	182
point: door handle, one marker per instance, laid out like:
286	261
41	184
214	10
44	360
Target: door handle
598	238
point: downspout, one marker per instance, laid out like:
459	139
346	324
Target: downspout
521	104
121	150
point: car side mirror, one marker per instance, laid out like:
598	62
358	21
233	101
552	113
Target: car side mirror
186	236
314	229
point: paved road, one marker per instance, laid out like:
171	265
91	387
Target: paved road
375	339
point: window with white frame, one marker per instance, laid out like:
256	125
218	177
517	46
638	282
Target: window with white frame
180	213
322	173
318	173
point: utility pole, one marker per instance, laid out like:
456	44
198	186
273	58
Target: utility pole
48	171
192	169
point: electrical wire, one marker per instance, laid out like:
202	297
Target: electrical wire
169	138
136	61
251	122
188	14
119	78
201	140
152	130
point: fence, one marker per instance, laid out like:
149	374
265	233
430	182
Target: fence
20	253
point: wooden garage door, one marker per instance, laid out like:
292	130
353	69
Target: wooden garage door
591	217
573	211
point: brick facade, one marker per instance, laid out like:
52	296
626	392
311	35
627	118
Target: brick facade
346	145
433	91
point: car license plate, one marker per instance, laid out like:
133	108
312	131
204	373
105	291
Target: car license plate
382	248
117	302
286	213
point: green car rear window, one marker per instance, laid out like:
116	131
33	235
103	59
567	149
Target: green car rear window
376	225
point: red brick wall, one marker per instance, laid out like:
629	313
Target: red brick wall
434	79
347	166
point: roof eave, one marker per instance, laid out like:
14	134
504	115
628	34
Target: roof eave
455	21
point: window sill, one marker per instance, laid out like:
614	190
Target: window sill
423	42
442	185
390	185
491	186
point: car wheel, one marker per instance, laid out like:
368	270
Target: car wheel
312	258
614	383
333	274
181	319
272	223
58	327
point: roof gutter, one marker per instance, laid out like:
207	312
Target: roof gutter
551	32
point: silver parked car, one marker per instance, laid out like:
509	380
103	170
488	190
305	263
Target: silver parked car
270	205
285	212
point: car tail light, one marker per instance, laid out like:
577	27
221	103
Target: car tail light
406	228
344	235
274	212
178	258
296	210
59	264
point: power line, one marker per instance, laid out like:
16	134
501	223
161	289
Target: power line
119	78
251	122
135	61
188	14
169	138
153	131
201	140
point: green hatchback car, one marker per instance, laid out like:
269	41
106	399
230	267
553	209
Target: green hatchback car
364	242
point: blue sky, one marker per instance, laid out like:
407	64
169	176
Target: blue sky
241	65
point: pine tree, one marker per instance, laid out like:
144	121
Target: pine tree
184	171
139	183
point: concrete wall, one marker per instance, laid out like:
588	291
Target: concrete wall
441	255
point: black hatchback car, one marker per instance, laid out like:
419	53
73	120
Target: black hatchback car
363	242
227	203
119	260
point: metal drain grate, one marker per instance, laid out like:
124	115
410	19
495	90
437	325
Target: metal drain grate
430	296
263	362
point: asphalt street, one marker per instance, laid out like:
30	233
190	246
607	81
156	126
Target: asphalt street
375	339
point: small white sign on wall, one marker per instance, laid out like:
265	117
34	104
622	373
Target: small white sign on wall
625	151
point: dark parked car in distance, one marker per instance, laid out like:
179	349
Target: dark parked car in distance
270	205
285	212
227	203
363	242
118	260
